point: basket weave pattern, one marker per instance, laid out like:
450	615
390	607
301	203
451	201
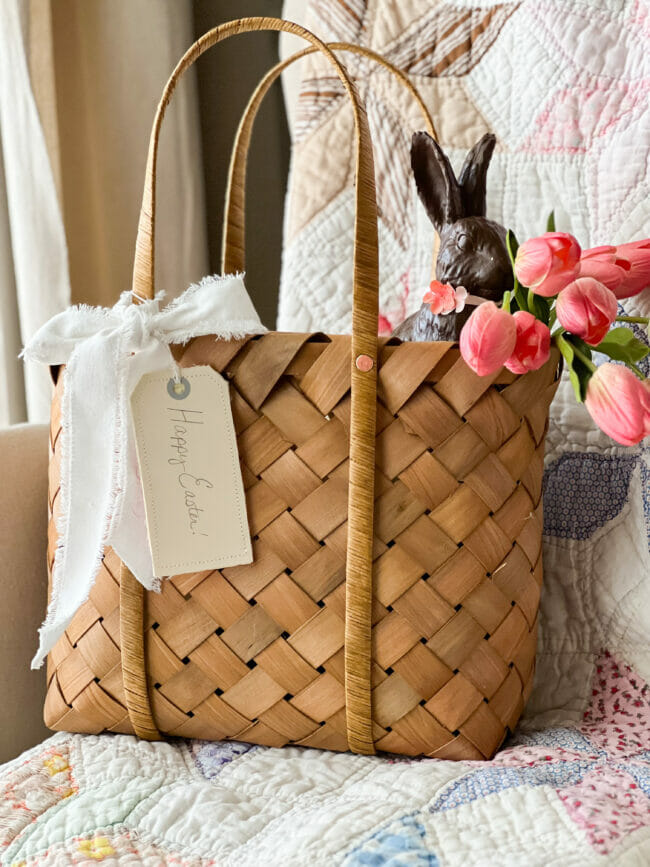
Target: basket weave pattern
256	653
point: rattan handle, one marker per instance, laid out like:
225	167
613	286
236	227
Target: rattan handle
233	251
363	378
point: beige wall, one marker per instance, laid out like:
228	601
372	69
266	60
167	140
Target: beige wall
23	536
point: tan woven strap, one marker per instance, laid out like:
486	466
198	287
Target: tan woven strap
133	669
233	255
364	384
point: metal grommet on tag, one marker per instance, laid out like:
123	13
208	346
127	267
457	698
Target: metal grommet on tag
178	390
364	363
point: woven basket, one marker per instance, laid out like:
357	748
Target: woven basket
395	510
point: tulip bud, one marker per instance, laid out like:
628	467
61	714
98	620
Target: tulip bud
488	338
605	265
532	346
546	264
624	269
637	277
619	403
586	308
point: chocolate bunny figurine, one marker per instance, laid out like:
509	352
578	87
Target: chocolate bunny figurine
473	249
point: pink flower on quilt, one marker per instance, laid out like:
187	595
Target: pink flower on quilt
387	322
599	769
607	804
611	801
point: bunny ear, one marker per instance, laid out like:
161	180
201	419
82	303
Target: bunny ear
473	176
435	181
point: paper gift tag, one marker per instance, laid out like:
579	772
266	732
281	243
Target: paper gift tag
189	467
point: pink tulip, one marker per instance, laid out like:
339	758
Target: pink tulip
586	308
637	253
619	403
546	264
624	269
604	265
533	344
488	338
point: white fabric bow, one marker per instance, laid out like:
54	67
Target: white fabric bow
106	351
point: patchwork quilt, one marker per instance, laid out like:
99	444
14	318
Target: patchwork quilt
572	794
565	87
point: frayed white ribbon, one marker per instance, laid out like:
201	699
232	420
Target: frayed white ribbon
106	352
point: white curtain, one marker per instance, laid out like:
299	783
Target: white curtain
79	82
34	280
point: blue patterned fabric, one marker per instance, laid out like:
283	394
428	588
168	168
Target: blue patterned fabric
599	486
401	844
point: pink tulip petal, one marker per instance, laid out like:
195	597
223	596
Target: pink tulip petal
533	262
548	263
554	283
610	273
638	277
587	309
533	344
487	339
597	251
619	403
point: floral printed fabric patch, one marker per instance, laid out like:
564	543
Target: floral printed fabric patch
31	788
400	844
600	770
122	848
211	758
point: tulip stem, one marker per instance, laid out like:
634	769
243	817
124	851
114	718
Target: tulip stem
531	301
505	304
636	370
642	320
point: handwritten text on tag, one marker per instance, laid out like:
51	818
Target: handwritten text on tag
189	467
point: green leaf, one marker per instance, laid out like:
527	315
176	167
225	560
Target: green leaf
513	245
550	223
568	355
621	345
541	308
583	373
520	297
579	372
579	344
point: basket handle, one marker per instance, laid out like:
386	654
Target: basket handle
233	251
363	388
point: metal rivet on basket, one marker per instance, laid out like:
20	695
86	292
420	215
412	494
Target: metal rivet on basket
178	390
364	363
